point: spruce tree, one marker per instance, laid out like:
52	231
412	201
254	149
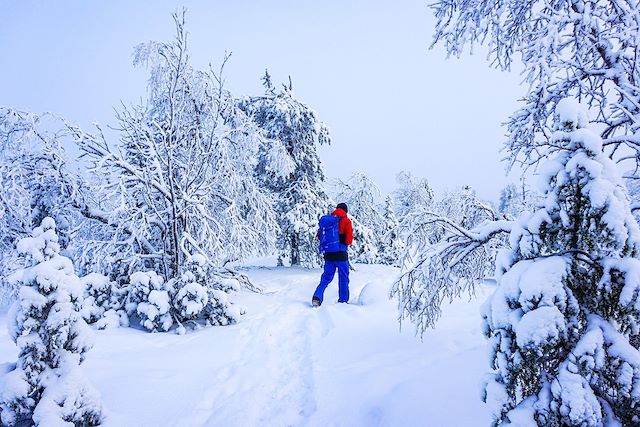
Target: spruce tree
390	246
46	387
568	297
289	167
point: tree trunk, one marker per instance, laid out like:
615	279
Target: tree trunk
295	250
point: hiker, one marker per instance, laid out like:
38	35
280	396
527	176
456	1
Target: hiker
335	234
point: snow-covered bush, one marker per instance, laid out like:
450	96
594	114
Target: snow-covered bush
148	299
103	302
46	387
390	244
374	293
220	310
191	296
201	295
568	296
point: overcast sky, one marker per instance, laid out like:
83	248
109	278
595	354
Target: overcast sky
364	66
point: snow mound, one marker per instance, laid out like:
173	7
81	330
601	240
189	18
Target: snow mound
374	293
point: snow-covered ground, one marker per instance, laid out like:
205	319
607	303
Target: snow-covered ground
287	364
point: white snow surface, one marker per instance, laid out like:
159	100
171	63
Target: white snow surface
288	364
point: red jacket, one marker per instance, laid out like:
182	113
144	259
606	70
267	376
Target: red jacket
345	228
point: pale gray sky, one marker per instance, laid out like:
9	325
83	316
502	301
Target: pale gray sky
364	66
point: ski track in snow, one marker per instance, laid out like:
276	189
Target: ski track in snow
288	364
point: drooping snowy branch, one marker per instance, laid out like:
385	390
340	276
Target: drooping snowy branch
445	268
568	48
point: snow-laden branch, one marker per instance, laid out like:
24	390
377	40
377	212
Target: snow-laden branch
445	268
577	48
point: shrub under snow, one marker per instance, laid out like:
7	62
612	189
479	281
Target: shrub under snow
148	298
199	295
103	302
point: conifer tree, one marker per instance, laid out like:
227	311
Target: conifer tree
568	297
390	246
46	386
289	167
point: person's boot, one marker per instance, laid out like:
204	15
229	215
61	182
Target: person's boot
315	301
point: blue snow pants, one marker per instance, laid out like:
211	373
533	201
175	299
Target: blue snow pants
330	268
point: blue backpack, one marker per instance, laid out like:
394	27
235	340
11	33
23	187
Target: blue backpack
329	234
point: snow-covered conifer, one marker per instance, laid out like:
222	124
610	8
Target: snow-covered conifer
199	295
568	296
191	290
220	310
289	167
46	387
390	245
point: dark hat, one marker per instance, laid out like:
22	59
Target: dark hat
343	206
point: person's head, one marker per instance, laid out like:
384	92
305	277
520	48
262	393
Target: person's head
343	206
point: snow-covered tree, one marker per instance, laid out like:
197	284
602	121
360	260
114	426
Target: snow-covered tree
567	48
390	245
289	167
46	387
181	180
575	48
411	195
362	197
464	207
568	297
35	182
512	201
